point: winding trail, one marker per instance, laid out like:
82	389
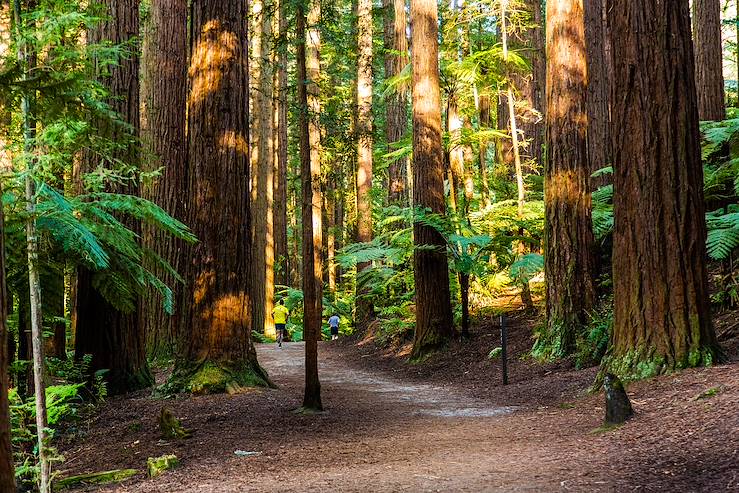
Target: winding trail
380	433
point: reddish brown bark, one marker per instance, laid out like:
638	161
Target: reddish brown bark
282	257
599	91
163	134
219	332
709	76
434	324
569	240
661	312
114	339
396	58
365	311
308	71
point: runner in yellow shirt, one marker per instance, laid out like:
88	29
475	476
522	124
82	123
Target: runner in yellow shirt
279	315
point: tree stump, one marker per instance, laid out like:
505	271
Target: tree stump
618	405
171	427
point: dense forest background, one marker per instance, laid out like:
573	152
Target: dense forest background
172	169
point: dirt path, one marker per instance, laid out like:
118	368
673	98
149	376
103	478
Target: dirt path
380	433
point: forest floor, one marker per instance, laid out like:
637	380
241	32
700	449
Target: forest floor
446	425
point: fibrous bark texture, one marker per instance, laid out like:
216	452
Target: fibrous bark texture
599	90
114	339
434	324
709	76
570	291
364	151
262	169
661	314
163	135
218	349
396	58
309	66
280	180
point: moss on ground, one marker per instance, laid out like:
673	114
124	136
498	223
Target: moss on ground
156	466
95	478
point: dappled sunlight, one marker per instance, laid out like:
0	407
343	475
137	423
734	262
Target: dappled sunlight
224	315
568	186
212	57
234	141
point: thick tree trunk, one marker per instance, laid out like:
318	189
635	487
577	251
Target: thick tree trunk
569	237
396	58
7	475
709	76
114	339
218	353
598	93
365	311
282	256
434	324
163	135
308	66
262	169
661	313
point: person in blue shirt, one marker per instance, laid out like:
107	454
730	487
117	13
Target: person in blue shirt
333	324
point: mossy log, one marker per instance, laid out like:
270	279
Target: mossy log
171	427
156	466
104	477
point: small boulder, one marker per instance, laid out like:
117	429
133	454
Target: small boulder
618	405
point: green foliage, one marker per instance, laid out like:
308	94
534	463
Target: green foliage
593	343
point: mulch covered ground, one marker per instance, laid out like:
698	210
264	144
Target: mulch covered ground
391	426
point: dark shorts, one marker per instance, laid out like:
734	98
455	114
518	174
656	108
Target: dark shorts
334	331
280	328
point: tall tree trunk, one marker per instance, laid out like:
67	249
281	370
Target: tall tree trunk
456	151
309	66
569	237
282	255
164	89
330	201
709	76
218	353
396	58
484	111
262	169
365	311
26	58
662	318
120	346
598	92
434	323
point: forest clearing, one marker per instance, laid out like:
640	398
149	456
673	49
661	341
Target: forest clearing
397	245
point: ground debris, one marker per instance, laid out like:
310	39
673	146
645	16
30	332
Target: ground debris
105	477
156	466
171	427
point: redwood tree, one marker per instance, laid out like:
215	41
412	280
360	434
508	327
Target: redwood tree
709	77
308	72
570	291
396	58
599	89
164	92
114	339
661	315
364	150
262	169
280	129
434	323
217	352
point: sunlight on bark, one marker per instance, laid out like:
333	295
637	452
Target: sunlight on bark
215	51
